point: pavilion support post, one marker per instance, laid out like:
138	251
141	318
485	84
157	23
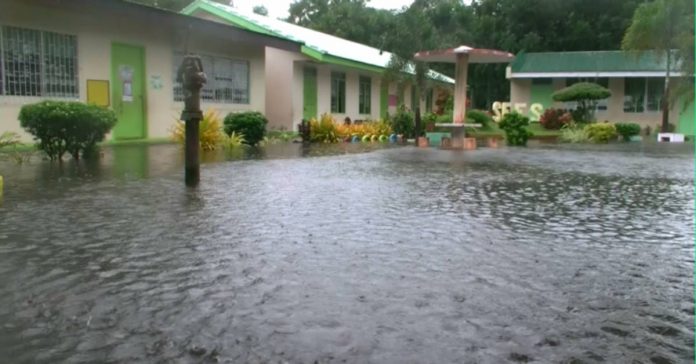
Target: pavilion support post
462	68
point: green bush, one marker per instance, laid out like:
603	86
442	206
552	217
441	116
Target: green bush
429	121
586	94
402	122
601	132
515	127
251	124
627	130
66	127
480	117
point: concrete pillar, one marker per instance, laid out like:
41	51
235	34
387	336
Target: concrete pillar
462	68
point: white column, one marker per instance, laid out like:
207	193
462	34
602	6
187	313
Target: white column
459	114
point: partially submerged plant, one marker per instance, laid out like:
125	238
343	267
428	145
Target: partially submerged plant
515	127
210	131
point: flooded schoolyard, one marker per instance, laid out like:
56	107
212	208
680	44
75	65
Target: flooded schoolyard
352	253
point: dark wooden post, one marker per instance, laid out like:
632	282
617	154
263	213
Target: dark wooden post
192	78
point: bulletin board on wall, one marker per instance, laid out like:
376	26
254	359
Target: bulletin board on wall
98	93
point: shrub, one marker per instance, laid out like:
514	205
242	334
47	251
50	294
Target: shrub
480	117
627	130
210	134
324	130
8	139
515	127
66	127
573	134
234	140
554	119
601	132
402	122
429	121
251	124
586	94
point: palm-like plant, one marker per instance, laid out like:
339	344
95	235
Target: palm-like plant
666	27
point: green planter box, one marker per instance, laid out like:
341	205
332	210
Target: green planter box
435	138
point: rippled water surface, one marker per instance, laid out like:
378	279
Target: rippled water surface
401	255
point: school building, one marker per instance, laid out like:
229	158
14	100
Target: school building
636	82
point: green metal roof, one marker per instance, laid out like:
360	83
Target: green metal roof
589	61
316	45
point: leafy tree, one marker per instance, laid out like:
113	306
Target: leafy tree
261	10
586	94
663	26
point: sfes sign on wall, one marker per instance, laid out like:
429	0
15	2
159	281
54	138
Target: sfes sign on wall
501	108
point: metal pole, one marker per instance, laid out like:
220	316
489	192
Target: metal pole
192	166
192	78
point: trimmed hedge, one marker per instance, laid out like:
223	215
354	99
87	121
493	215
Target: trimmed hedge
66	127
251	124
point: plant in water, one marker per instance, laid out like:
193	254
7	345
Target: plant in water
324	130
402	122
515	127
9	139
250	123
66	127
572	133
210	131
601	132
627	130
234	140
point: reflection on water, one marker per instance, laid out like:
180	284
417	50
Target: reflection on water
326	253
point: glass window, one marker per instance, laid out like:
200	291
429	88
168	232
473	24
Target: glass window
542	81
338	92
228	80
656	88
634	95
365	96
38	63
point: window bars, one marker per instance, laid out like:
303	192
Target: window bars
38	63
228	80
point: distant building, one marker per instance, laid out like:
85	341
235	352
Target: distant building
124	56
327	75
636	83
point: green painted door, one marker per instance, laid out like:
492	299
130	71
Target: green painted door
384	100
686	118
310	93
128	90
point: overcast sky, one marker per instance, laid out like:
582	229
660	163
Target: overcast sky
279	8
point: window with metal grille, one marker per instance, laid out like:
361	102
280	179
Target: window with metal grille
365	96
228	80
338	92
38	63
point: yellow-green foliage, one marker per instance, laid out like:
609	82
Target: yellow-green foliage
210	129
324	130
234	140
328	131
601	132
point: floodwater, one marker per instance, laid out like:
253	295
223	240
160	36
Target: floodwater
352	254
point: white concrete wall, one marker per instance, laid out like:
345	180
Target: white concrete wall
95	34
352	93
282	92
